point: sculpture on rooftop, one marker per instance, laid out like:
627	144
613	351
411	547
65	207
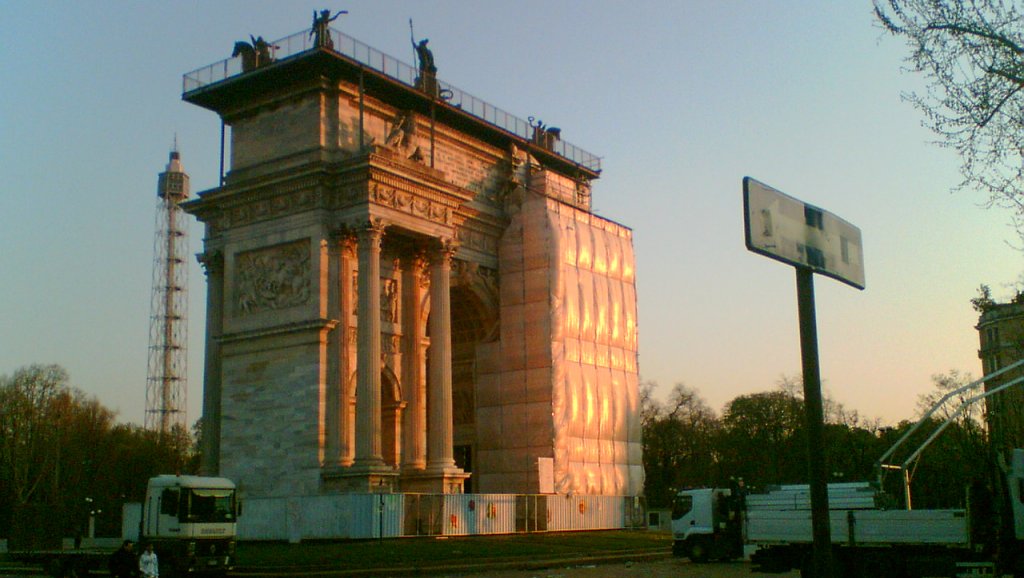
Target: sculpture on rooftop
427	79
263	55
544	135
248	54
254	54
321	32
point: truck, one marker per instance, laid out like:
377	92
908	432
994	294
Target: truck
870	538
190	520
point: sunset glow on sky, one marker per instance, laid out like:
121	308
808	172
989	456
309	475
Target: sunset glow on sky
680	99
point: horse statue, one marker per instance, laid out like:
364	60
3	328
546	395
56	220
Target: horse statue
255	53
248	54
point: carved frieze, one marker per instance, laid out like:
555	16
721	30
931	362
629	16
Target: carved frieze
407	202
267	204
477	240
272	278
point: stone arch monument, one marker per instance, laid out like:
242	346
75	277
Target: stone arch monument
406	294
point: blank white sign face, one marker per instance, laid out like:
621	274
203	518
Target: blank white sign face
789	230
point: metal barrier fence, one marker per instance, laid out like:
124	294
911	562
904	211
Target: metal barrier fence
299	43
365	516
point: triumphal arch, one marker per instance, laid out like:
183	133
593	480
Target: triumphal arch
407	289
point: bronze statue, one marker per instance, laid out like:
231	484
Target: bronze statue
427	80
262	48
321	33
248	54
254	54
426	58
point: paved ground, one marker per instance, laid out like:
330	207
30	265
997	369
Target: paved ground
664	568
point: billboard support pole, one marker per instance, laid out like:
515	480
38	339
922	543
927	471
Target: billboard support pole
818	471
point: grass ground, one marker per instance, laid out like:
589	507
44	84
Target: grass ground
426	552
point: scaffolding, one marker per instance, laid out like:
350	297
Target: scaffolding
166	381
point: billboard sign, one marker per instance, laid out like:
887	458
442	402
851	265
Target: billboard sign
788	230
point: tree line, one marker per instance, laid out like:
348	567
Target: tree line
760	438
61	448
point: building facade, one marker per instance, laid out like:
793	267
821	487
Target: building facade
407	289
1001	333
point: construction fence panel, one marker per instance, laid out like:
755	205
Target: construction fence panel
478	514
366	516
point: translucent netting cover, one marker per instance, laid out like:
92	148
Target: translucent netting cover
595	405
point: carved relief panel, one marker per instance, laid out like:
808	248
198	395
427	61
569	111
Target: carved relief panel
272	278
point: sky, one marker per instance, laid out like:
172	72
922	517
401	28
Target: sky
681	99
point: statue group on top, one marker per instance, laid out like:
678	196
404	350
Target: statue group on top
258	52
254	54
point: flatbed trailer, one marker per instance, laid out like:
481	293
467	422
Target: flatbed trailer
868	540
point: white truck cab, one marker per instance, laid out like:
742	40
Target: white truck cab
706	525
191	521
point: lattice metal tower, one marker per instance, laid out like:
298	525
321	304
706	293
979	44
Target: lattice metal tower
167	381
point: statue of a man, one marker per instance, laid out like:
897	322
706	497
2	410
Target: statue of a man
262	48
321	33
426	57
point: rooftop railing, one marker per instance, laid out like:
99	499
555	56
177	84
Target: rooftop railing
395	69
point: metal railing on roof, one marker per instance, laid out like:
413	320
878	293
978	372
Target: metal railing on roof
395	69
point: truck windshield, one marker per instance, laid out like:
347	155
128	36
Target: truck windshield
209	505
682	506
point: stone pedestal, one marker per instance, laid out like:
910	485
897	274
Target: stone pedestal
360	480
449	481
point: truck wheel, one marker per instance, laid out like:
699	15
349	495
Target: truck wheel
78	569
807	567
698	552
167	570
55	568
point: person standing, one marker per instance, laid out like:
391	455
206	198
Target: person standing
149	566
122	562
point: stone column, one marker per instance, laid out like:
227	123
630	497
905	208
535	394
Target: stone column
440	456
348	341
369	452
414	431
334	382
213	265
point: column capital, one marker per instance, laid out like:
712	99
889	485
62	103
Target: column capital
418	252
212	261
345	240
362	227
444	249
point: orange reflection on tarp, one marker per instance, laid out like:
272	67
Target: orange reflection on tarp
597	434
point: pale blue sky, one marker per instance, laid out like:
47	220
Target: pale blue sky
680	98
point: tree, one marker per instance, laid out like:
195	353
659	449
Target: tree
972	55
678	440
983	302
762	438
33	405
955	459
60	447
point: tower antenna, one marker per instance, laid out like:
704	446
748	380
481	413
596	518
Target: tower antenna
166	379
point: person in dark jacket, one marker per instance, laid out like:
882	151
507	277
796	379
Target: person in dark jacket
122	562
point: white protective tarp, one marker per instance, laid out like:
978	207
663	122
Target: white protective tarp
595	402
